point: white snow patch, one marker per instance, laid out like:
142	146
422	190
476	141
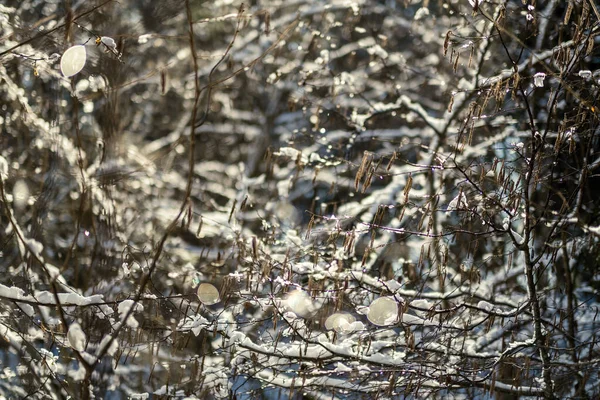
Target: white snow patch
114	346
76	337
124	308
484	305
538	79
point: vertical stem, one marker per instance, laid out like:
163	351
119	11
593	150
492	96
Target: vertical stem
538	336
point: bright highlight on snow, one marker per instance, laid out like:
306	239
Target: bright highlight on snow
538	79
300	303
73	61
208	294
383	311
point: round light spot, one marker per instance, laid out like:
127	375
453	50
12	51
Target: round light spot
73	60
20	195
300	303
340	322
383	311
208	294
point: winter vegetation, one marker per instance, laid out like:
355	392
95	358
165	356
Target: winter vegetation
339	199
